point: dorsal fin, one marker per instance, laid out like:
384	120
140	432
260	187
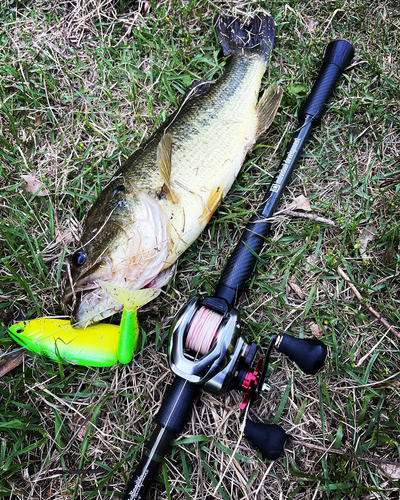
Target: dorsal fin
196	89
267	107
164	163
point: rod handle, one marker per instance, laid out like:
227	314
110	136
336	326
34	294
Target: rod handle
171	419
338	55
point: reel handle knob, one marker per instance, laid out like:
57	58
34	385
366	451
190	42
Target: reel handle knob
268	438
308	354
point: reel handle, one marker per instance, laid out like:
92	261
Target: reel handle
268	438
308	354
171	419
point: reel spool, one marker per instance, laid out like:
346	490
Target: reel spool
207	348
206	344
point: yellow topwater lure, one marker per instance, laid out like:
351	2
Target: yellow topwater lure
93	346
97	345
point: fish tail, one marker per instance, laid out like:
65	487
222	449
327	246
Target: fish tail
256	36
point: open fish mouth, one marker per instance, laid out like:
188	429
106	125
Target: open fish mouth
87	283
71	293
92	305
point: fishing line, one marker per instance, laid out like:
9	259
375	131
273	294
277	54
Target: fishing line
203	330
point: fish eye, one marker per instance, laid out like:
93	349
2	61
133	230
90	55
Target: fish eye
79	258
118	189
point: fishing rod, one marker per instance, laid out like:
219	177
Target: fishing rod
207	349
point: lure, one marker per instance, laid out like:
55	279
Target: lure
96	345
129	328
93	346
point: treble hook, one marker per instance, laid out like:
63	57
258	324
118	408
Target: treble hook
22	315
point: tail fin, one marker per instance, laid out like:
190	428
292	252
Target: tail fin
256	36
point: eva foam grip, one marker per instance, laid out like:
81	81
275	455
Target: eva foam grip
338	56
268	438
308	354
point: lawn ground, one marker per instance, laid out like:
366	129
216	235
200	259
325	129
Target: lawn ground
82	84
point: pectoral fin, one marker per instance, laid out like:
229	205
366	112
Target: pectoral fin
130	299
267	107
164	163
212	203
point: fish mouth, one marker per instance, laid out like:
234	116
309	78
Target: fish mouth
86	282
81	297
72	295
92	305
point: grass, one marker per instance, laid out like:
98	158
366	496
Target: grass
81	85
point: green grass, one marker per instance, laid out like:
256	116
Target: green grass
81	86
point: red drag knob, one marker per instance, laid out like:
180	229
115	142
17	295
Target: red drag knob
250	383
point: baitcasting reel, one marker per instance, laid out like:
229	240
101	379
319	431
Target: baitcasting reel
207	348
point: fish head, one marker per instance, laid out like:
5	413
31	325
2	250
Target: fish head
125	242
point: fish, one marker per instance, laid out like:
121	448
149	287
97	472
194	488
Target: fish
159	201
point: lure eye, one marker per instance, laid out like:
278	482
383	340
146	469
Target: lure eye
79	258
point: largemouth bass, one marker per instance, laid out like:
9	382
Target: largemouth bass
162	197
